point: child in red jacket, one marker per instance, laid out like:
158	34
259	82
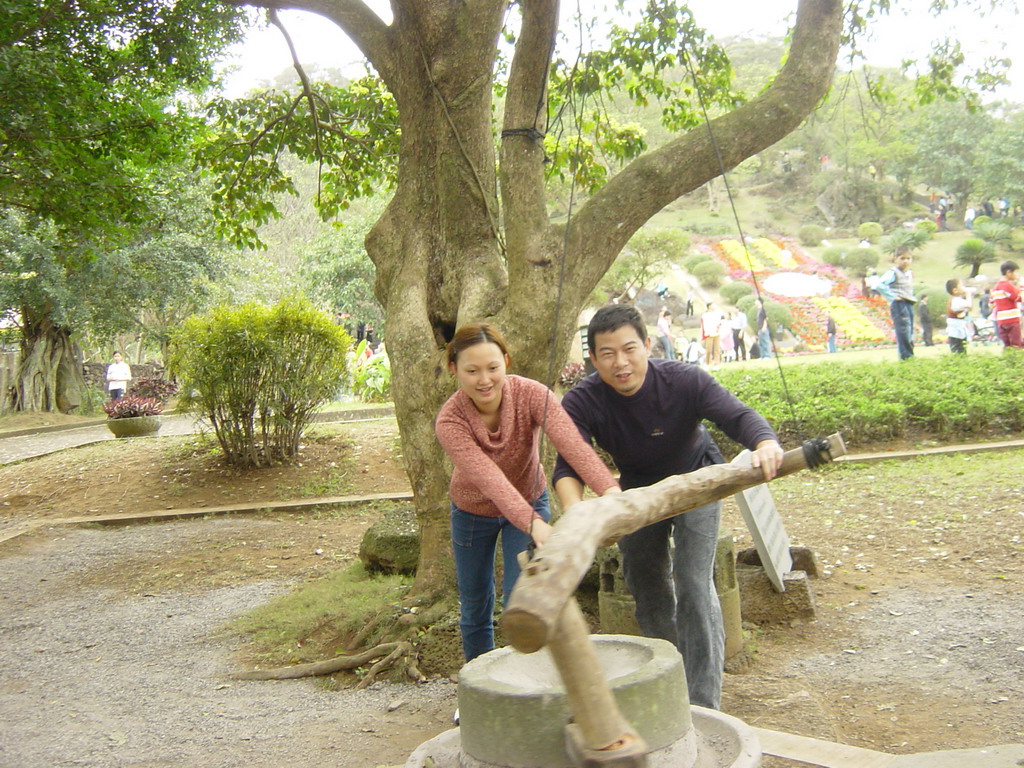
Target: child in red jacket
1005	300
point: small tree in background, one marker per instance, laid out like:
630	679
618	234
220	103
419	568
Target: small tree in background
914	239
778	314
258	374
646	258
693	261
870	231
834	255
734	291
709	273
811	234
998	233
860	260
973	252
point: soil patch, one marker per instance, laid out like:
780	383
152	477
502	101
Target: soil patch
171	472
916	647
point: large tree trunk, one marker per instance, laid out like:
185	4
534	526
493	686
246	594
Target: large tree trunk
49	376
444	252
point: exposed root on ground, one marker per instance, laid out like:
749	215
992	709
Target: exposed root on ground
386	654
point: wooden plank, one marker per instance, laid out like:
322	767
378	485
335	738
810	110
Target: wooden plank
19	530
186	512
827	754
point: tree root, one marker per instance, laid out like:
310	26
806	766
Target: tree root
390	652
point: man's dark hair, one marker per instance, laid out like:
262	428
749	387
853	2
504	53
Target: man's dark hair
611	318
1007	266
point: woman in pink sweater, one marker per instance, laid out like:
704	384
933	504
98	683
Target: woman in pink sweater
491	430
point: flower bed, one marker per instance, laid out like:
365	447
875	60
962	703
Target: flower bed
860	321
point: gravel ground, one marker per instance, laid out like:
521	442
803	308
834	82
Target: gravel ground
94	678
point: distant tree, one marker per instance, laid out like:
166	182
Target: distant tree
92	105
1002	172
949	140
974	252
337	272
996	232
648	257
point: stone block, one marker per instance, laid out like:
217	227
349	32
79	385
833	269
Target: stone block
392	544
761	603
803	559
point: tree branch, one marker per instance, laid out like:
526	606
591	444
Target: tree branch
606	222
522	136
354	17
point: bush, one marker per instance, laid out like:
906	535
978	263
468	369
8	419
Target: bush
734	291
691	262
709	274
571	375
914	239
860	260
131	406
833	255
154	387
937	299
258	374
371	376
927	225
811	235
875	401
870	231
778	314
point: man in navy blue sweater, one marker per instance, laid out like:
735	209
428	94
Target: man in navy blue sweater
647	414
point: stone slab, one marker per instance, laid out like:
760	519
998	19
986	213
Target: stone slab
766	528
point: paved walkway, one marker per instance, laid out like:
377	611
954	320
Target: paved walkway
41	443
50	440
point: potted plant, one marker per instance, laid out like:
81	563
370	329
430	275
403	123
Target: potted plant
133	416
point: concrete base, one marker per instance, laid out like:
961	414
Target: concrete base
721	741
514	709
762	604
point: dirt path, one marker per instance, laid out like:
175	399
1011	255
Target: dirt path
95	676
112	654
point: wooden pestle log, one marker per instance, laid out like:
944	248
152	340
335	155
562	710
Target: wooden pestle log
555	571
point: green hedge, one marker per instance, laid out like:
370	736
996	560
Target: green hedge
949	398
258	374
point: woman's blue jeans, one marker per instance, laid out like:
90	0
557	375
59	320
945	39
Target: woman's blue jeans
474	542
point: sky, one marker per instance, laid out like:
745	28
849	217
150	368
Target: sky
264	54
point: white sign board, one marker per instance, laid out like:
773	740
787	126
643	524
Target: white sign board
765	526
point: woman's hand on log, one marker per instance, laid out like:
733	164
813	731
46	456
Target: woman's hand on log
768	456
540	531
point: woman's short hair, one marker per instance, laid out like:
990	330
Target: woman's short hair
470	335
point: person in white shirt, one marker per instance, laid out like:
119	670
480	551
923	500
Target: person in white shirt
710	323
119	373
739	327
668	341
